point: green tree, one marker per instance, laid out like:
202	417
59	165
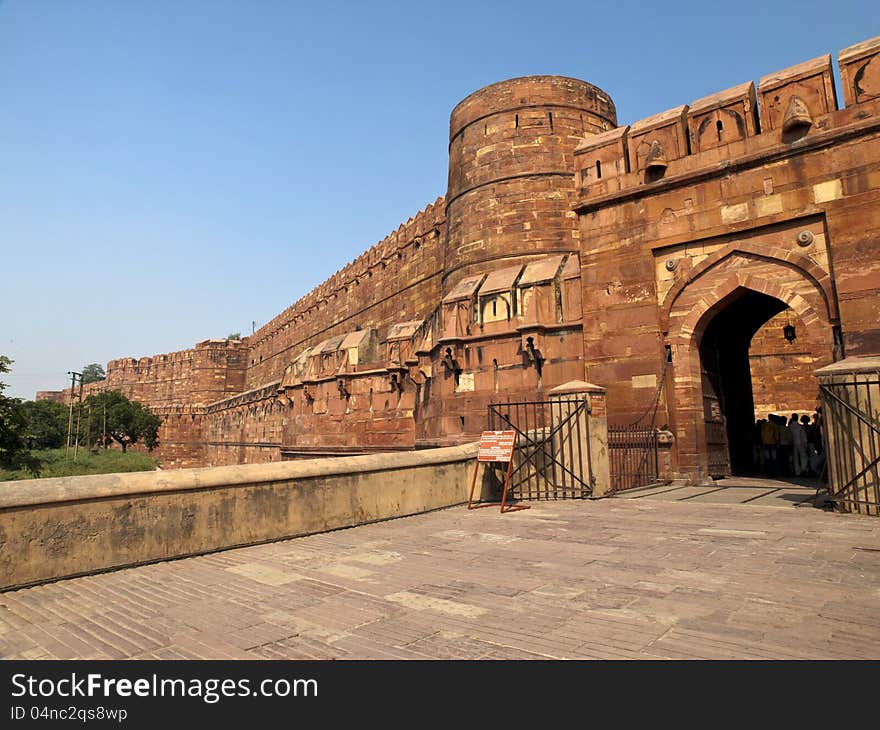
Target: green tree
93	373
46	424
127	421
14	453
234	336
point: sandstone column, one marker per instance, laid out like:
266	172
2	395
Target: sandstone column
593	430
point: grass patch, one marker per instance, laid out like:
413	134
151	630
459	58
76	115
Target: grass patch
108	461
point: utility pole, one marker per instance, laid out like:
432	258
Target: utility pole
73	377
78	418
89	426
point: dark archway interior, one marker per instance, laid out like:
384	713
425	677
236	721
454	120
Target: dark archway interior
724	354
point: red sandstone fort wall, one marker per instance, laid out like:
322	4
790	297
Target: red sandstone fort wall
396	280
209	371
727	194
181	437
527	275
246	429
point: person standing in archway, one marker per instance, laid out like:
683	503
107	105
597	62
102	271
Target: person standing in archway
817	443
758	447
770	443
785	444
799	462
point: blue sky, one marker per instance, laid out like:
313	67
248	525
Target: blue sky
172	170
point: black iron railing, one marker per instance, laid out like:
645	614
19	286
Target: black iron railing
633	456
851	431
552	455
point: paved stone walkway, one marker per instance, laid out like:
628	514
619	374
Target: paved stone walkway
735	490
614	578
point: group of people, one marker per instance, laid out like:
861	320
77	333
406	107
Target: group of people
788	447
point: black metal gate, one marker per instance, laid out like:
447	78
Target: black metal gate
852	440
551	459
633	456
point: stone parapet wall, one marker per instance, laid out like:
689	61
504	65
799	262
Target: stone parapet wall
794	107
244	429
55	528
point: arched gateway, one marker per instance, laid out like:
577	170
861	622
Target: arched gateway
729	250
712	319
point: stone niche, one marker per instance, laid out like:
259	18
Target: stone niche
400	345
326	358
458	308
539	299
295	372
601	157
540	296
860	72
657	140
722	118
333	356
497	297
797	94
358	348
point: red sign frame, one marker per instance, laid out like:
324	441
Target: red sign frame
496	447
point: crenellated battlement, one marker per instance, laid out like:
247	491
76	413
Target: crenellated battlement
421	229
265	392
398	278
788	111
145	364
200	374
195	376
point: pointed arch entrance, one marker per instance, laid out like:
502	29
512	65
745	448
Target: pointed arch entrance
726	378
711	319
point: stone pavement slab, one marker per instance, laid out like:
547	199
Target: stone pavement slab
644	578
733	490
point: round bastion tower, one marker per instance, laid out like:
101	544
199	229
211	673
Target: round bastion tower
511	171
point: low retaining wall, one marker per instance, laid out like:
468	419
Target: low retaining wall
62	527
